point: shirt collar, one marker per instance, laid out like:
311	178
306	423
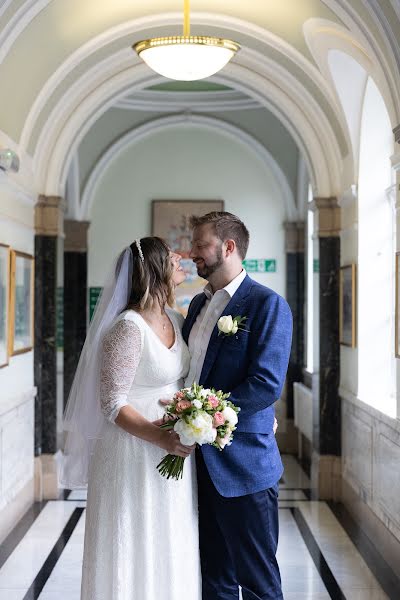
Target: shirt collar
231	288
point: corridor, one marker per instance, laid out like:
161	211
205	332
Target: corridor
41	558
287	130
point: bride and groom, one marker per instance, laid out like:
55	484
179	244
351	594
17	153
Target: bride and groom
216	529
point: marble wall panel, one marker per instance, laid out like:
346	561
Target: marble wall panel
371	459
357	450
16	450
387	474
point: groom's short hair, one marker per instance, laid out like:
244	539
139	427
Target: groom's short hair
227	227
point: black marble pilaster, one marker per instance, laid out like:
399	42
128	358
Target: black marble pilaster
295	299
75	313
45	361
327	424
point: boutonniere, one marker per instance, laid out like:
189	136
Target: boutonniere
229	325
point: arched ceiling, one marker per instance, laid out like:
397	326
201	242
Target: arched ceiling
64	63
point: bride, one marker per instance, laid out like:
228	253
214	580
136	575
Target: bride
141	536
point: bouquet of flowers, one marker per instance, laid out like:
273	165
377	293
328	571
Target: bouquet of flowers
198	416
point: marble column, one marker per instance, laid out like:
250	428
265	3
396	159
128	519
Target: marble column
294	247
75	297
48	230
396	132
325	467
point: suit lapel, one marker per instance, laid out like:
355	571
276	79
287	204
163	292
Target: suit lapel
192	315
234	308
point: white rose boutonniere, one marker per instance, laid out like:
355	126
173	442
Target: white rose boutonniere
229	325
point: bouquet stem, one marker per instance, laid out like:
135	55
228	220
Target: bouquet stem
171	467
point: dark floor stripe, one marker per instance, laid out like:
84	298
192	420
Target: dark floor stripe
41	578
386	577
326	574
294	500
75	500
20	530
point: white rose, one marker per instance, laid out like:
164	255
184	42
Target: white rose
230	416
199	430
205	393
225	324
225	441
235	328
197	403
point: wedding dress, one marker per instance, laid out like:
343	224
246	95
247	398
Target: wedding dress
141	536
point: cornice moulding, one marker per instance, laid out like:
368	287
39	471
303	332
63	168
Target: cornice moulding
179	101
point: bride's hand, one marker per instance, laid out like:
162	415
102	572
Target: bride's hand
171	443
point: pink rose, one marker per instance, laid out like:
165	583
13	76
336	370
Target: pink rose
179	395
213	401
219	419
182	405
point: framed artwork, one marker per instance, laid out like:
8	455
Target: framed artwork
21	303
170	221
347	308
397	307
4	304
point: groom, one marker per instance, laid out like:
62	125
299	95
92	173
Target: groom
238	488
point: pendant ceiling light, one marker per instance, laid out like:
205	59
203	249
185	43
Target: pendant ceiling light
186	57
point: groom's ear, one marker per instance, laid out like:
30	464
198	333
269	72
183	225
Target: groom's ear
230	247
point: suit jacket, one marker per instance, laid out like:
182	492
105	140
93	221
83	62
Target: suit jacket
252	366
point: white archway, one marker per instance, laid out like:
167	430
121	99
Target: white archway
142	132
289	101
314	121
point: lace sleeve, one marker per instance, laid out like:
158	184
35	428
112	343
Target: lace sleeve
121	354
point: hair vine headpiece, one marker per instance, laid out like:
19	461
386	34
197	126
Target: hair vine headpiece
139	247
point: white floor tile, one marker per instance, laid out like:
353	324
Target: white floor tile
78	495
12	594
300	577
22	566
342	557
65	580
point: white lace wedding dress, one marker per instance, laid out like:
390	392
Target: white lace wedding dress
141	537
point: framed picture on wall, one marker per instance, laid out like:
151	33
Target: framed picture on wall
170	221
4	304
397	307
347	307
21	302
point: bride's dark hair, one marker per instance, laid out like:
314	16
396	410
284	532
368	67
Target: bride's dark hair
151	277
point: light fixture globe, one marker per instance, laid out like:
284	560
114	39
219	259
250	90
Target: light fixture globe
186	58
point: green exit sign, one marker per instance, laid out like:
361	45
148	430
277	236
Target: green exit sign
94	293
260	265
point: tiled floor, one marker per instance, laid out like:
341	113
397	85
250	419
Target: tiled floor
317	558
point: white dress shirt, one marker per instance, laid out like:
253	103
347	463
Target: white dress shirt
203	327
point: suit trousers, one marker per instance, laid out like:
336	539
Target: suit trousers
238	542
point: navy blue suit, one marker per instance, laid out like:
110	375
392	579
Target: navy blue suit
238	487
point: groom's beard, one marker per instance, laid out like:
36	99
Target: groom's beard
207	270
